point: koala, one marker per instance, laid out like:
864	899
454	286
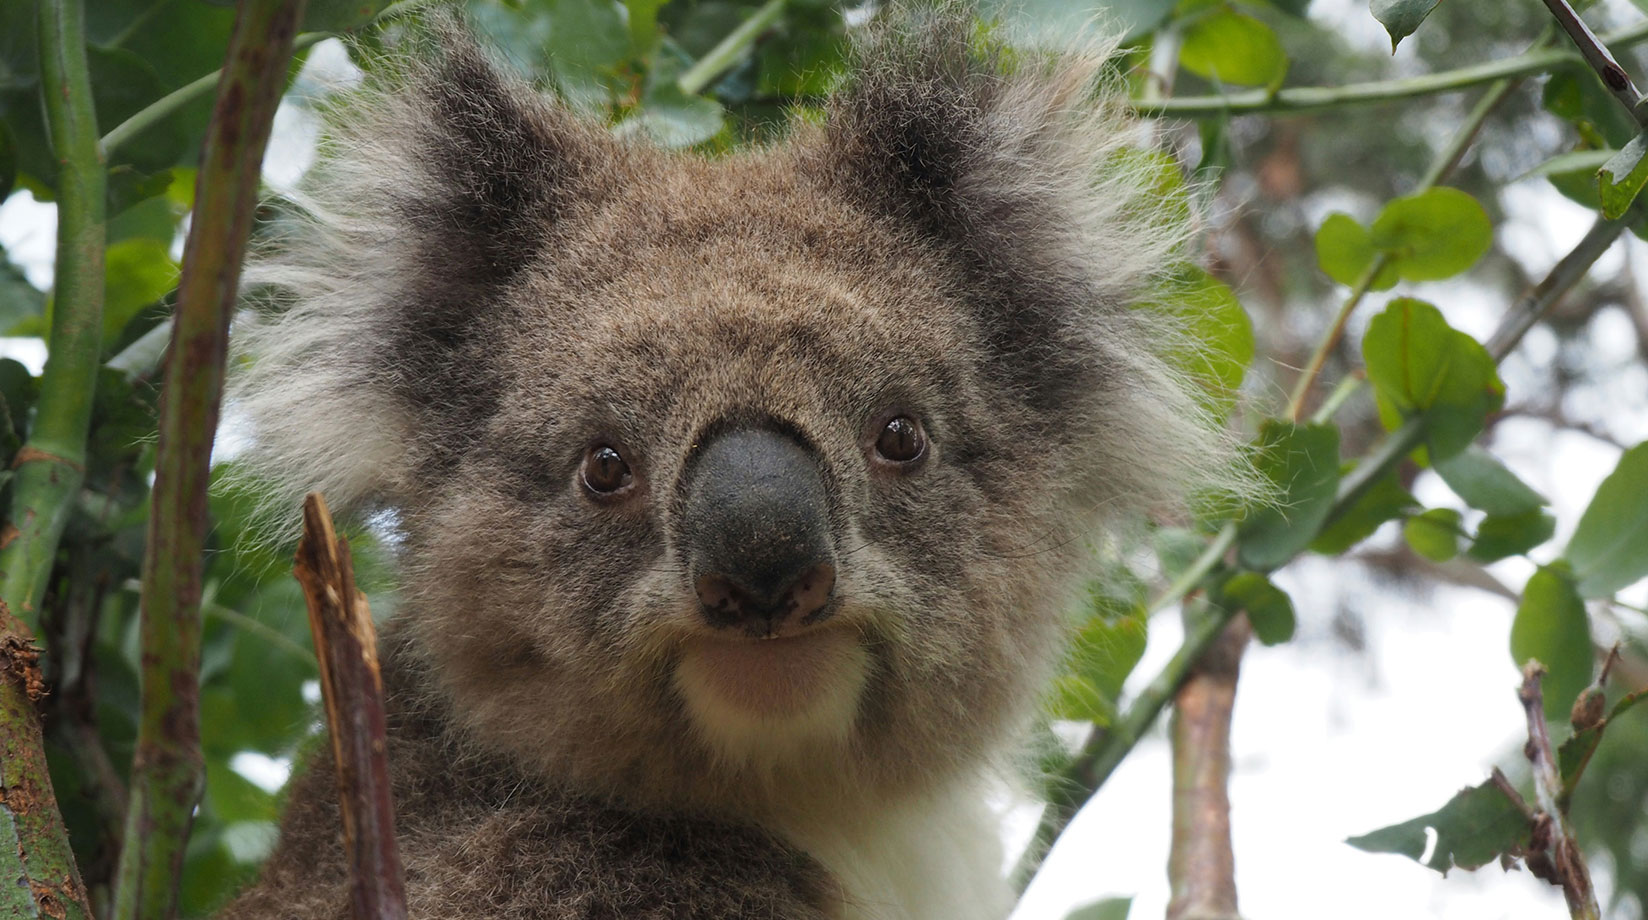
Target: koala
743	500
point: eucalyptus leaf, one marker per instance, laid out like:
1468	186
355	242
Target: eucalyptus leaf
1485	484
1401	17
1435	534
1501	535
1385	500
1609	549
1418	364
1551	625
1230	47
1268	607
1621	179
1302	463
1434	234
1473	829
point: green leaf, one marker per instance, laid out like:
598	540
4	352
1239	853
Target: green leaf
1417	364
1574	175
1214	320
1551	626
1229	47
1381	502
1104	652
1344	250
137	272
1621	179
1268	607
1435	234
1472	830
1578	96
643	22
1107	909
19	300
1498	536
8	161
1401	17
1302	462
1435	534
1485	484
1609	549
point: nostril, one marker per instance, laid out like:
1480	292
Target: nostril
726	604
811	591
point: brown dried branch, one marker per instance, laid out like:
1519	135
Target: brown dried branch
1553	855
1201	866
352	687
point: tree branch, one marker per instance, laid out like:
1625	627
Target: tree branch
346	646
51	465
1553	854
1596	54
1201	867
42	879
1313	98
167	767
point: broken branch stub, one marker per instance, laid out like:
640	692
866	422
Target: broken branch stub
352	688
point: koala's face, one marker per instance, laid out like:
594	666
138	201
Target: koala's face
727	480
734	501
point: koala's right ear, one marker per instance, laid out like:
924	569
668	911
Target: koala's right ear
371	359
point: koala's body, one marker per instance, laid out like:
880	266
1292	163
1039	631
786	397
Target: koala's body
743	500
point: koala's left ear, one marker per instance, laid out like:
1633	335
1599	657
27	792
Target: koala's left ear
437	185
1021	167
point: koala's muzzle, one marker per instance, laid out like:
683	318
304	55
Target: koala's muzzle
756	533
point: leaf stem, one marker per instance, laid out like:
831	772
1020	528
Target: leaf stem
723	56
1313	98
167	766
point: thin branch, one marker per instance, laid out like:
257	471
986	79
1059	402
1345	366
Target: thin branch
724	55
352	686
1553	854
34	847
1539	300
1312	98
167	766
1201	868
51	465
1596	54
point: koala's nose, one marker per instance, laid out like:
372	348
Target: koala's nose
755	528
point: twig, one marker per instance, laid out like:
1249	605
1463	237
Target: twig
1553	854
725	54
1311	98
1201	867
167	766
1543	296
51	465
351	685
1596	54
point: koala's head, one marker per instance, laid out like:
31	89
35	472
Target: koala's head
720	476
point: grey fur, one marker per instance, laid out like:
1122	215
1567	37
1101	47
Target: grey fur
482	286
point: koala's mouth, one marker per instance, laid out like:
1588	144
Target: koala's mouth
808	681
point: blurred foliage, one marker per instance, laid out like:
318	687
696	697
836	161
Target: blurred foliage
1302	206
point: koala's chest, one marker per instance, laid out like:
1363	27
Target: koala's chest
936	859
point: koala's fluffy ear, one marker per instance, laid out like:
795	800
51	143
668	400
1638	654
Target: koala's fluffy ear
1022	164
369	365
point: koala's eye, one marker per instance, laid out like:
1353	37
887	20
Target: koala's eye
901	441
605	472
